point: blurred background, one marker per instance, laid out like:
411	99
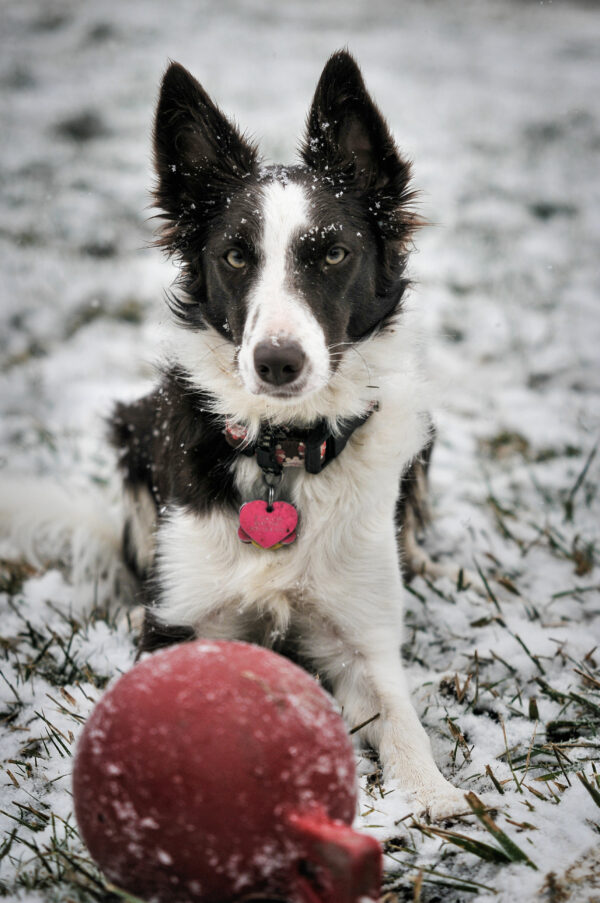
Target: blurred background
497	103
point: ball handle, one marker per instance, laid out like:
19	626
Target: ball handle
340	865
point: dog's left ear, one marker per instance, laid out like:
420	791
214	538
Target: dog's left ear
347	134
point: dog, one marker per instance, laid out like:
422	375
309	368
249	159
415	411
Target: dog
277	472
275	479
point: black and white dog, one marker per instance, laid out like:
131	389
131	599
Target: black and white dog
275	477
294	395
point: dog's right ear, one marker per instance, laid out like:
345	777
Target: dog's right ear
193	142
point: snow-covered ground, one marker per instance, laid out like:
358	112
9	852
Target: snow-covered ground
498	105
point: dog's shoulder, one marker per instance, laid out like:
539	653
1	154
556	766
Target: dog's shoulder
171	442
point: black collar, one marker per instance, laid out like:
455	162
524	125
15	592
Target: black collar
282	446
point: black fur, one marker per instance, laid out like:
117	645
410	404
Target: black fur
412	508
349	143
170	443
209	180
156	635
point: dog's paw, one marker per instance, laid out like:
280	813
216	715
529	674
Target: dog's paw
441	802
435	800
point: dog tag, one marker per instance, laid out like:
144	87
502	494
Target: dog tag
268	529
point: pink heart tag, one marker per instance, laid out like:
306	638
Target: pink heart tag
268	528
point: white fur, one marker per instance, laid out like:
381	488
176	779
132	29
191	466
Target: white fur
276	313
51	524
383	361
337	589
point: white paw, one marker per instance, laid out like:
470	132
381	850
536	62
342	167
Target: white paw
441	801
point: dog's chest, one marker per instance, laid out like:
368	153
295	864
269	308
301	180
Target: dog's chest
345	527
340	512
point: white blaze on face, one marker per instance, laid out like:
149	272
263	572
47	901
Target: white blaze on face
276	312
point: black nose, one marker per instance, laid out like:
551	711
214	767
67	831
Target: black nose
279	363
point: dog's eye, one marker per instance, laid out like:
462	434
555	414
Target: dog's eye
235	259
335	255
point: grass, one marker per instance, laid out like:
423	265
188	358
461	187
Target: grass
535	693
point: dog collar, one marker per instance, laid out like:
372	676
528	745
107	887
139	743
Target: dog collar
282	446
267	523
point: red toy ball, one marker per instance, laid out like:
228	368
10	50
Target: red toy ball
213	771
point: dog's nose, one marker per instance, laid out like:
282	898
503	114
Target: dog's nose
278	363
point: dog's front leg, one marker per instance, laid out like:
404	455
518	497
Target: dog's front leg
404	747
359	653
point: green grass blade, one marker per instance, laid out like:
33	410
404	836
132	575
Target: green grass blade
513	852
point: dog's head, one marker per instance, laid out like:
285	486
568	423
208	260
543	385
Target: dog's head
289	267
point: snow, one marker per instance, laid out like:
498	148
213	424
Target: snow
497	104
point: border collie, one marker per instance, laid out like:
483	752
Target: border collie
271	473
274	478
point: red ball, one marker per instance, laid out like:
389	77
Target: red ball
214	770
